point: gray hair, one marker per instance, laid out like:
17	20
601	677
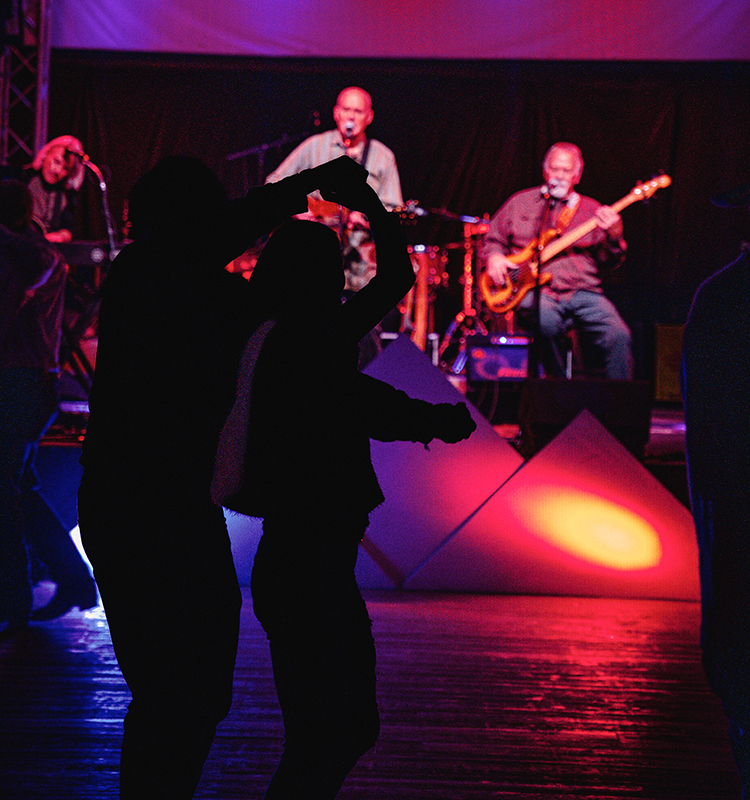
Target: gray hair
565	147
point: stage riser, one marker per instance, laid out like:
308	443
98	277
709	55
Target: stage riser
465	517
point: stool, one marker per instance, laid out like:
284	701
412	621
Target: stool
572	348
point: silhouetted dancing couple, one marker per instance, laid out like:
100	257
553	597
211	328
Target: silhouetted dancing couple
174	329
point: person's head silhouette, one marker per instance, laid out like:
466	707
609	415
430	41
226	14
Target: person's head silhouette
299	271
180	194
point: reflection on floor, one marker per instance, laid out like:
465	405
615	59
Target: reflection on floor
481	696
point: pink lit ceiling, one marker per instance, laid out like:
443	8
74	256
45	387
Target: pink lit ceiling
628	30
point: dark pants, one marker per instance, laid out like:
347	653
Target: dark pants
169	588
605	333
739	733
28	402
306	597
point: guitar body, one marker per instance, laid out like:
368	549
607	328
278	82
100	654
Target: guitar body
523	278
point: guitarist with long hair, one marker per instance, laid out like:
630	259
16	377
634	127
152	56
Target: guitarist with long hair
571	293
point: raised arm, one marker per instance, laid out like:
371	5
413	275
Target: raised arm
265	207
395	274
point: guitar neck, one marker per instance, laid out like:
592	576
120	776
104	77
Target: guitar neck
571	237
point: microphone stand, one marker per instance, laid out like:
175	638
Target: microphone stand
261	150
533	357
113	249
343	213
73	353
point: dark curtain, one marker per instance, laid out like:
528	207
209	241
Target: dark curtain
467	134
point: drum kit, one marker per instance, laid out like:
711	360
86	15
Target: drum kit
439	281
431	267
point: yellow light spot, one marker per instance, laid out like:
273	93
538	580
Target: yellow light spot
590	527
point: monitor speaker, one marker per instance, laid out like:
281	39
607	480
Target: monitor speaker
548	405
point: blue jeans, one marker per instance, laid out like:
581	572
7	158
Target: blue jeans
602	329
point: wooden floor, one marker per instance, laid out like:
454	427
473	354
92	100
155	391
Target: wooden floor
481	697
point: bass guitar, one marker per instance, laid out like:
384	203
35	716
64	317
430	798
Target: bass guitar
523	277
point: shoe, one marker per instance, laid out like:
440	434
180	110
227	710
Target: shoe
65	599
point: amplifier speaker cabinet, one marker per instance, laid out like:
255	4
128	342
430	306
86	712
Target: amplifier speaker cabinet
550	404
668	348
496	358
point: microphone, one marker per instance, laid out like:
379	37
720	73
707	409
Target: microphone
348	131
549	198
87	162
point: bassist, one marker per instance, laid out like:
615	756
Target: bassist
571	294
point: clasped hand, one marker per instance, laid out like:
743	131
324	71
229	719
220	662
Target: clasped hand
610	221
349	188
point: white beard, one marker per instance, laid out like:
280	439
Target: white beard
559	189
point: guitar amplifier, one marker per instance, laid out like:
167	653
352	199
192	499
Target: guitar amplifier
496	358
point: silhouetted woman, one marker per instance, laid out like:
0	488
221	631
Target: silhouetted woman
308	473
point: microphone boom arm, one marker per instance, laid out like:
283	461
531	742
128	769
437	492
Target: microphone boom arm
113	249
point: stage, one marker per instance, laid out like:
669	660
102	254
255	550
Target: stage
558	673
481	696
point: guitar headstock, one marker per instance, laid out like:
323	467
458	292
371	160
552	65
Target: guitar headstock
644	190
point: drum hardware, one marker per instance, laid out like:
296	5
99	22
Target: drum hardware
411	210
417	312
467	321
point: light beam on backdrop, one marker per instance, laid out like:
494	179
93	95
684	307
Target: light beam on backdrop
582	518
589	527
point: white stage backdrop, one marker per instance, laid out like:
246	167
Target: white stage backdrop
660	30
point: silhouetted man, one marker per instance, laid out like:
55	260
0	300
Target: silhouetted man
172	326
716	393
32	290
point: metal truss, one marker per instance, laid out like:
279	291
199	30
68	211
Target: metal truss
24	78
